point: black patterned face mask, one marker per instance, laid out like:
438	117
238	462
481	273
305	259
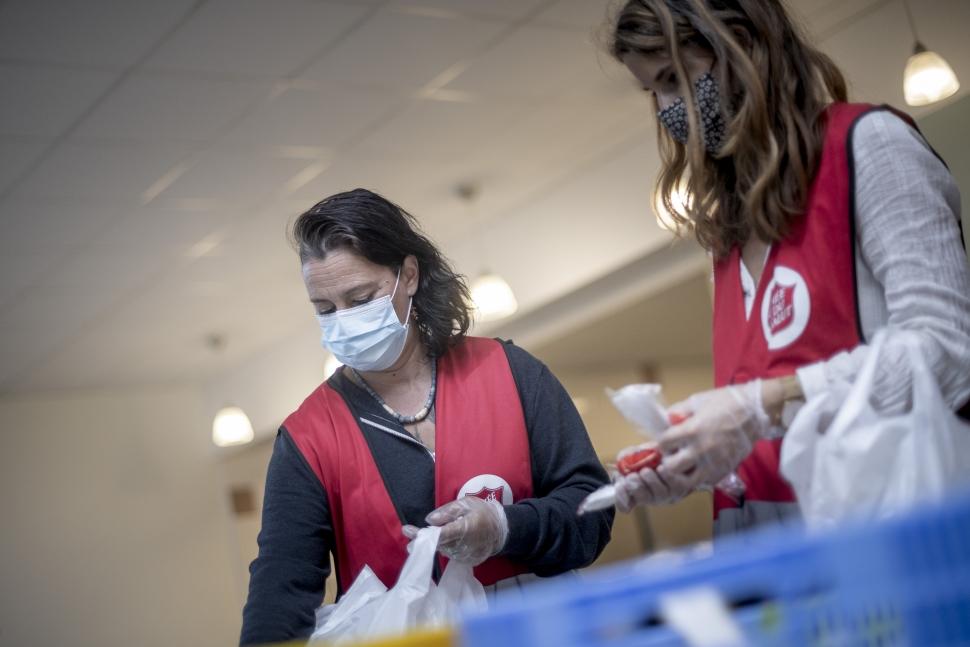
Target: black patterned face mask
707	98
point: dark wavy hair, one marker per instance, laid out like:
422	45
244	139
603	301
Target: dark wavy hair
776	86
384	233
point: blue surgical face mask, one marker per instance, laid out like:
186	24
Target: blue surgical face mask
368	337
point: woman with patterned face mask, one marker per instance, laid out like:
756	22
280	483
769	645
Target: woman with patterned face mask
826	221
422	425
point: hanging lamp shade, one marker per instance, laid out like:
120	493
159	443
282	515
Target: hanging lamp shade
493	297
928	78
231	427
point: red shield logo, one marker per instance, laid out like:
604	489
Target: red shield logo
489	494
781	309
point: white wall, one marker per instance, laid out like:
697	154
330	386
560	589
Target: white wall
115	523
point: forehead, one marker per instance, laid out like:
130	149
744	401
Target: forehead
341	269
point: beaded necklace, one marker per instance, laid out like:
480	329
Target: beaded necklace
404	420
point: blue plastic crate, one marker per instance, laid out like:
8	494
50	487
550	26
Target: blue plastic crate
902	582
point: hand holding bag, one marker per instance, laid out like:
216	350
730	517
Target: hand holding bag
870	464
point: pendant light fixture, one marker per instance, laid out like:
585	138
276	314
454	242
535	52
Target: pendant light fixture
491	294
231	427
493	297
928	78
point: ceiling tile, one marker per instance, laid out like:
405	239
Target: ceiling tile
171	233
110	268
255	37
162	107
586	15
514	70
107	33
438	131
25	267
17	154
36	223
53	312
101	172
43	101
16	361
300	116
373	54
238	180
566	218
508	10
84	360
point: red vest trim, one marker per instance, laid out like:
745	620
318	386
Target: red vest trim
479	430
805	309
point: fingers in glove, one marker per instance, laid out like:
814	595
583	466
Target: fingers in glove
679	484
410	531
678	437
688	407
655	487
683	461
452	533
625	486
447	513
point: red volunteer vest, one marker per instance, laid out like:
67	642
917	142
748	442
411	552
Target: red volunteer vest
479	429
805	307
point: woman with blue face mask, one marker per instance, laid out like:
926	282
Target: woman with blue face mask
422	425
826	221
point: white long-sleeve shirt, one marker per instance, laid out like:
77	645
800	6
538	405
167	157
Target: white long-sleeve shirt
911	269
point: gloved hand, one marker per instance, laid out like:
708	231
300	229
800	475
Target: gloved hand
719	432
472	529
648	487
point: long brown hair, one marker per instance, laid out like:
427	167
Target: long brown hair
774	88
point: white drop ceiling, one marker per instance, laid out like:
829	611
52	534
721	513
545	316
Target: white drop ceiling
152	154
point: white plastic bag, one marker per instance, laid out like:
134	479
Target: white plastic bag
368	609
866	464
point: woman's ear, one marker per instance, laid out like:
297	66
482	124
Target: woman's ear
410	274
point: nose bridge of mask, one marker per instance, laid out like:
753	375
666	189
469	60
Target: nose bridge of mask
360	321
356	311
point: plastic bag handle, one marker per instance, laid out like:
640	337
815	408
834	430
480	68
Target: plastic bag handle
857	400
926	390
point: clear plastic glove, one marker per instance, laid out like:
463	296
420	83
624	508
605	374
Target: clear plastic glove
648	487
472	529
719	432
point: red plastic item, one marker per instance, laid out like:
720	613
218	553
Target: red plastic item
643	459
676	418
646	458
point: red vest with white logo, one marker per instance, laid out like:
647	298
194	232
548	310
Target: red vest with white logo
805	306
479	429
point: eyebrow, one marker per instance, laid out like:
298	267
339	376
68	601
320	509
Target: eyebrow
369	285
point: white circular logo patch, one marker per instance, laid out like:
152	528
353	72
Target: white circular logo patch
785	308
488	487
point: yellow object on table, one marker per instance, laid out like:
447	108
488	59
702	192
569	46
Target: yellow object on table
426	638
